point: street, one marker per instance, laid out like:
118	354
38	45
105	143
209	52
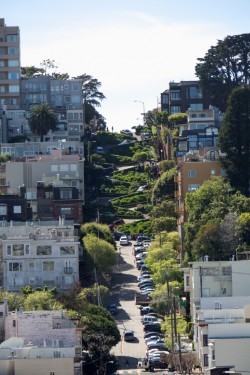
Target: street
125	286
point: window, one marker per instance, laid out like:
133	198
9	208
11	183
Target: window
205	340
44	250
73	167
48	266
187	280
13	88
3	209
175	95
67	99
31	265
13	75
213	171
65	211
13	63
17	209
194	92
18	250
196	106
54	168
67	250
27	249
15	266
13	50
175	109
2	63
12	38
192	173
75	86
70	116
8	249
66	194
13	323
205	359
64	167
193	187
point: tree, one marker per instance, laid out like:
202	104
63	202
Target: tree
103	253
177	119
41	119
48	64
92	98
41	300
211	204
234	140
224	67
140	157
31	71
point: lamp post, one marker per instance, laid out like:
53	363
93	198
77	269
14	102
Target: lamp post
143	106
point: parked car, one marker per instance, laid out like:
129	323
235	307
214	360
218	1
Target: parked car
126	132
152	327
146	310
153	337
100	150
142	238
129	335
113	309
148	319
123	240
142	188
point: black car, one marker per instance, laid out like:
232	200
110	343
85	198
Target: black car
152	327
113	309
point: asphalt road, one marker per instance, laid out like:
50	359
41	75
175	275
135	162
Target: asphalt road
125	286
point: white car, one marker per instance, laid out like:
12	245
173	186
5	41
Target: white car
123	240
141	188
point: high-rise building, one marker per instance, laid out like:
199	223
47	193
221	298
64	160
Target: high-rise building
10	66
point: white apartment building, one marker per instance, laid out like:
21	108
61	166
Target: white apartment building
39	256
45	340
220	312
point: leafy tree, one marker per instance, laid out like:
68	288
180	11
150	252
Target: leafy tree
211	204
177	119
97	159
41	119
99	230
164	186
166	165
234	139
224	67
60	76
92	98
163	223
31	71
103	253
41	300
140	157
165	208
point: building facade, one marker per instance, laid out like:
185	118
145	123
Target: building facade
220	313
39	256
183	95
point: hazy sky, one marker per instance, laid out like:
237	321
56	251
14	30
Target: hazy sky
133	47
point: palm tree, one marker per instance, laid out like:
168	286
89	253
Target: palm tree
41	119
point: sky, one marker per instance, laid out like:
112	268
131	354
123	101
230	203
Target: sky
133	47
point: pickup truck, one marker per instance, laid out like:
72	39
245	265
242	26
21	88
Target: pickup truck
151	365
142	300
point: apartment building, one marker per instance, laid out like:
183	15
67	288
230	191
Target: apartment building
219	308
183	95
45	340
10	66
39	256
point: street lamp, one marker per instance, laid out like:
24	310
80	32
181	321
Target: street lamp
143	106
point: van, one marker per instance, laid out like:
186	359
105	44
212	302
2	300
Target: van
148	319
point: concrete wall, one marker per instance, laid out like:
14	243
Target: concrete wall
60	366
233	351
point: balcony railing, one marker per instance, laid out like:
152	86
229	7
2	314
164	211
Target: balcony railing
68	270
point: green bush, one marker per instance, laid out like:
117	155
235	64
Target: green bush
137	227
118	159
130	200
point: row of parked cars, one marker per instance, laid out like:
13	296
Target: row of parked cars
140	250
